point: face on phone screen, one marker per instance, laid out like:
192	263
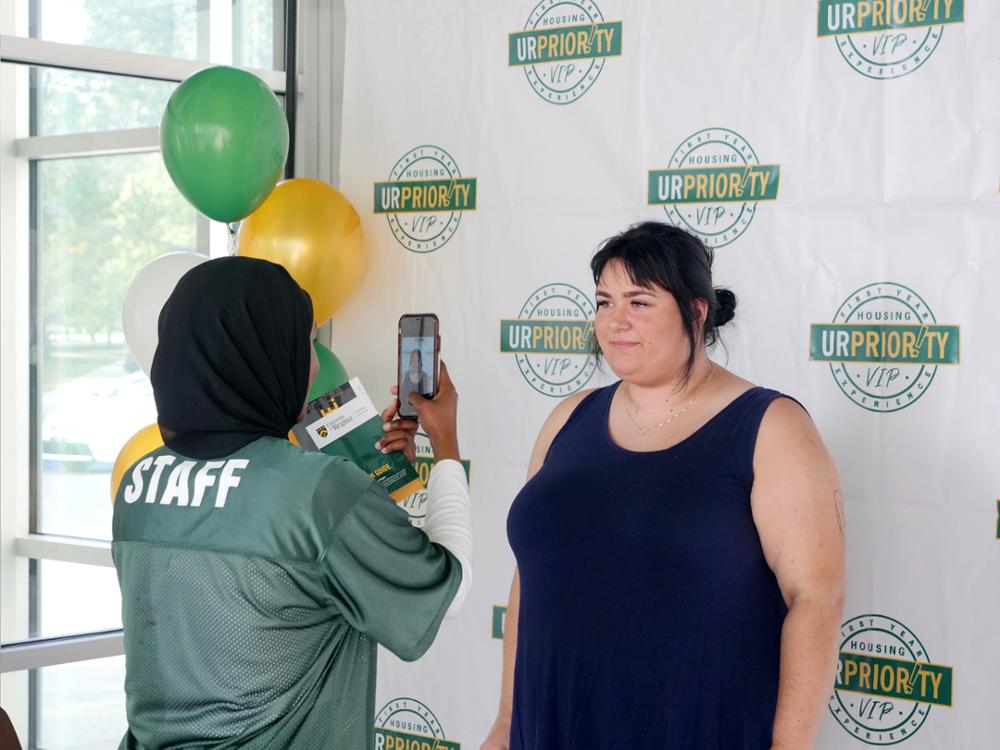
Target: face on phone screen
416	368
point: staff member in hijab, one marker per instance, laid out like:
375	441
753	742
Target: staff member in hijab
256	577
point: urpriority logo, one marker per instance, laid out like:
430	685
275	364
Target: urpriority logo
424	198
713	185
886	683
563	48
884	346
884	39
407	724
416	504
551	339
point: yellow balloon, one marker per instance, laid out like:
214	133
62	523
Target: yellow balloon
313	231
145	441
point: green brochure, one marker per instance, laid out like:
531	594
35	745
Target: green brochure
344	422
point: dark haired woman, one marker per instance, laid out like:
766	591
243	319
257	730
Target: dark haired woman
414	379
679	539
256	577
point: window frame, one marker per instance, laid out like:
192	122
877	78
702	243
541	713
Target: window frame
21	546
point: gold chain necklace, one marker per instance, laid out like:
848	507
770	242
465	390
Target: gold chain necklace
674	414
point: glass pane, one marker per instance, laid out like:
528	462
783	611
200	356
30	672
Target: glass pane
69	101
73	598
155	27
80	706
235	32
100	220
254	23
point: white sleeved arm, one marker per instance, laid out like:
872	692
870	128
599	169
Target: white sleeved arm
449	521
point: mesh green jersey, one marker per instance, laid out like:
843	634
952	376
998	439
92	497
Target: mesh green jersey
254	590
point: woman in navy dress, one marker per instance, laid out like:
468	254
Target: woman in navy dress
679	541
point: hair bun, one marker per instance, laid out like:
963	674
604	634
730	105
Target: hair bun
726	306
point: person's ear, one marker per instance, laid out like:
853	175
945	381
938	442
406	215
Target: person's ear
699	311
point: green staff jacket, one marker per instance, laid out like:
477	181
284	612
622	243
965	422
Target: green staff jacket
254	590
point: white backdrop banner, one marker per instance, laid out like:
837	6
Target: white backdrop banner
841	157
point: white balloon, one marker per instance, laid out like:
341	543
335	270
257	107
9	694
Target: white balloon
146	296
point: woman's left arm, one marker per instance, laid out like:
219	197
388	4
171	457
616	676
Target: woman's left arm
798	510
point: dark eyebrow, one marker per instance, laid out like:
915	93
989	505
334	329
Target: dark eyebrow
627	295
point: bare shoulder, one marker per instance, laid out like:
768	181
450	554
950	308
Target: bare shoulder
788	442
557	418
559	415
562	411
797	504
728	386
786	421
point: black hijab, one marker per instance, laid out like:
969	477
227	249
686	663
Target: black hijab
232	362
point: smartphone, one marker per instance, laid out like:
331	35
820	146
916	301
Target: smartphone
419	348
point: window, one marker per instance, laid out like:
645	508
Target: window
238	32
85	202
66	719
99	220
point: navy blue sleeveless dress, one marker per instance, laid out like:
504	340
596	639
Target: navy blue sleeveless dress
648	615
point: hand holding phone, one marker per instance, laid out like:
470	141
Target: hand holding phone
439	418
419	348
437	400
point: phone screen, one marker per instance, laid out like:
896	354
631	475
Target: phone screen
417	354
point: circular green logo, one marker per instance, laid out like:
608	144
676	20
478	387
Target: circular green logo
710	149
424	232
564	81
881	55
880	681
407	718
551	340
883	386
416	504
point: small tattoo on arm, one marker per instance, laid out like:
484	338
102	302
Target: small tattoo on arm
838	509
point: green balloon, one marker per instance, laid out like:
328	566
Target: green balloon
331	372
224	141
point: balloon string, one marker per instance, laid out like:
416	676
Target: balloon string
232	227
